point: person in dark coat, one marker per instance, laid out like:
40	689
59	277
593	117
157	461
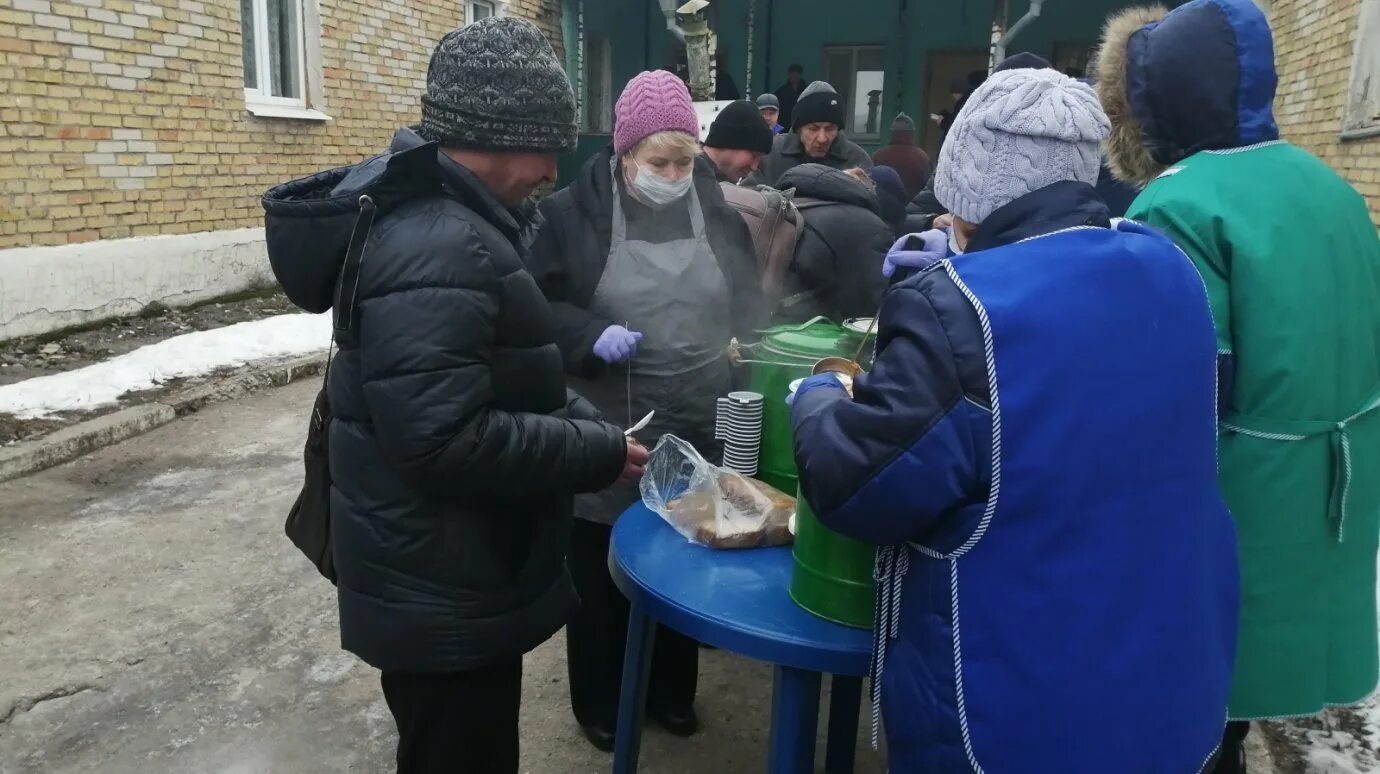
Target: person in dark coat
650	274
961	89
924	208
816	137
838	258
449	397
910	161
738	139
725	88
891	197
1027	450
790	92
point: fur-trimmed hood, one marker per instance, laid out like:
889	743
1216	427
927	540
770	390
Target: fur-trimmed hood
1201	77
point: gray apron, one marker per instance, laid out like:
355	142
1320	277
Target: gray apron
676	296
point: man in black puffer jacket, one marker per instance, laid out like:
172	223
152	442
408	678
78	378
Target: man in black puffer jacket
455	447
837	271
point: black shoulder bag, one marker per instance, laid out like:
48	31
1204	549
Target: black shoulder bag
309	520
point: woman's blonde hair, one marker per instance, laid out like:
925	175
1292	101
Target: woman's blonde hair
666	142
861	175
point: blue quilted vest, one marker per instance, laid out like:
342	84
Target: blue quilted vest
1083	619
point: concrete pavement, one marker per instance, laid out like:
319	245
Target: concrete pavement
153	618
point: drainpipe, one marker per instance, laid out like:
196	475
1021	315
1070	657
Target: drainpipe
668	9
694	25
751	33
999	49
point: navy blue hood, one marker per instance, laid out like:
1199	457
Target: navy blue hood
1201	77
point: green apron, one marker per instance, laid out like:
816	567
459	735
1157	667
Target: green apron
1291	262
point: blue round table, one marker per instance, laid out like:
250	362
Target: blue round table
735	600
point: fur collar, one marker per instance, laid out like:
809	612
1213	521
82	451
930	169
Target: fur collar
1127	155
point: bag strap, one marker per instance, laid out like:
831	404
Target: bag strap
349	272
344	307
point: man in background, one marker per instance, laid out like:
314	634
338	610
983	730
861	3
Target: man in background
737	141
911	162
816	137
770	108
790	92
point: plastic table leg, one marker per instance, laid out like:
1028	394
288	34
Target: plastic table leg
632	693
845	704
794	721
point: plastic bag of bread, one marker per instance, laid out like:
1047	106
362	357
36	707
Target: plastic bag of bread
713	506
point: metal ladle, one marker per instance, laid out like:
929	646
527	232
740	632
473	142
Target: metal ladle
868	334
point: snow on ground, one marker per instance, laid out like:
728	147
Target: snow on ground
1338	752
191	354
1342	741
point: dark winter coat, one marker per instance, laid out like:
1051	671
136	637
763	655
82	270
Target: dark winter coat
450	401
787	153
572	248
838	259
923	209
1117	194
788	95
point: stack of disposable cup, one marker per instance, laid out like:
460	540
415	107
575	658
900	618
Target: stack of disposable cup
738	423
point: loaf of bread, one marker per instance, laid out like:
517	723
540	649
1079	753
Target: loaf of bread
742	513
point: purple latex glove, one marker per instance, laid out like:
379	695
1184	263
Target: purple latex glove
816	382
616	344
934	246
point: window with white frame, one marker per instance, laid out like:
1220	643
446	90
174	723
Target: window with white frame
858	73
274	66
1361	115
480	9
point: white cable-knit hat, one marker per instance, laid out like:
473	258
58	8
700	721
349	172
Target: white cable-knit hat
1019	132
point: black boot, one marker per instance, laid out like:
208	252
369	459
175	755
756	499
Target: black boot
602	738
681	721
1231	758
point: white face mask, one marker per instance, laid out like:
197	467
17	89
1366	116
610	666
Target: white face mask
953	242
657	191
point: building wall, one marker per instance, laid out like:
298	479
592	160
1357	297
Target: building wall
909	29
132	170
1315	43
126	118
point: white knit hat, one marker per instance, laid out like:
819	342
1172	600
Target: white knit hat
1019	132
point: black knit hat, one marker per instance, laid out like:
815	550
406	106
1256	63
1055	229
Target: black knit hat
739	126
818	104
497	85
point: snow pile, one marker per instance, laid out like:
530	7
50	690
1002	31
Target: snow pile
1340	752
1348	743
191	354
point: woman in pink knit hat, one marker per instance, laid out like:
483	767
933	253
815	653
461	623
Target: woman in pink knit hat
650	273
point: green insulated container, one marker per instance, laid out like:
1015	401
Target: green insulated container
784	354
833	574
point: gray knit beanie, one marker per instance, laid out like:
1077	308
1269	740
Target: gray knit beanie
819	103
1019	132
497	85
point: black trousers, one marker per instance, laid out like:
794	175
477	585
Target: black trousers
457	723
1232	757
596	636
